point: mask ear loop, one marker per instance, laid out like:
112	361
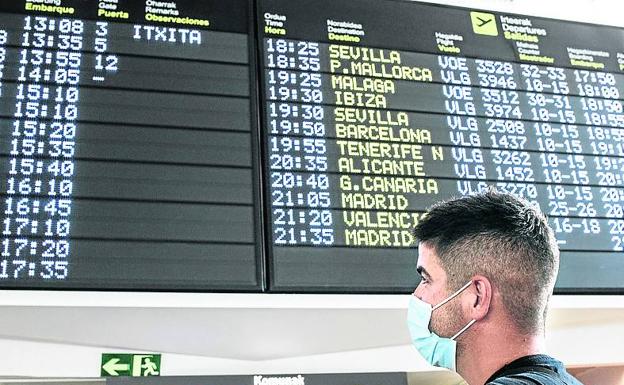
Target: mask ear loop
464	329
458	292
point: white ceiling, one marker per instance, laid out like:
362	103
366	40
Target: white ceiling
244	334
240	326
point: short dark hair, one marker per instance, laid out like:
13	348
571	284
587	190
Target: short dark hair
503	238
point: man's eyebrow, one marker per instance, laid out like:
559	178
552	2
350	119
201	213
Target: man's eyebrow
423	272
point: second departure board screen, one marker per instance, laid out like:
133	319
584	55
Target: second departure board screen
375	110
127	145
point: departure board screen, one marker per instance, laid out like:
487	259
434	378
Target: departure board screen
169	145
127	145
374	110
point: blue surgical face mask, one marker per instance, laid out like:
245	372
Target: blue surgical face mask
438	351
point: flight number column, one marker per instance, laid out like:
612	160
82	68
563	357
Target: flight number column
506	131
297	148
604	115
38	204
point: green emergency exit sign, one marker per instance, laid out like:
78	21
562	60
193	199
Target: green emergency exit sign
135	365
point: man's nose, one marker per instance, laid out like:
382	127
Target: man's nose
417	292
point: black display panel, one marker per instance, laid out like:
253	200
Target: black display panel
127	146
374	110
130	142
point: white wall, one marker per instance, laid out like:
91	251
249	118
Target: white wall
64	334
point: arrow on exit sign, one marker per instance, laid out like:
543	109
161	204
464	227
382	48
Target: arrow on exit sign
135	365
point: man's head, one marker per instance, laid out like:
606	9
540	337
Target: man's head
495	236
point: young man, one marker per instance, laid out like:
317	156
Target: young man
488	264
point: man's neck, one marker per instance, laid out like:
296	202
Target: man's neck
483	357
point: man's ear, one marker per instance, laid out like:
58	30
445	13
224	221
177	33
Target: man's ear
481	298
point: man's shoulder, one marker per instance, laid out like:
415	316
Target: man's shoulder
536	378
533	370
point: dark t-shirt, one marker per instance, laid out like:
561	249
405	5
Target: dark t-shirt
538	369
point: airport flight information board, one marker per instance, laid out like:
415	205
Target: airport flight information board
374	110
127	155
291	146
